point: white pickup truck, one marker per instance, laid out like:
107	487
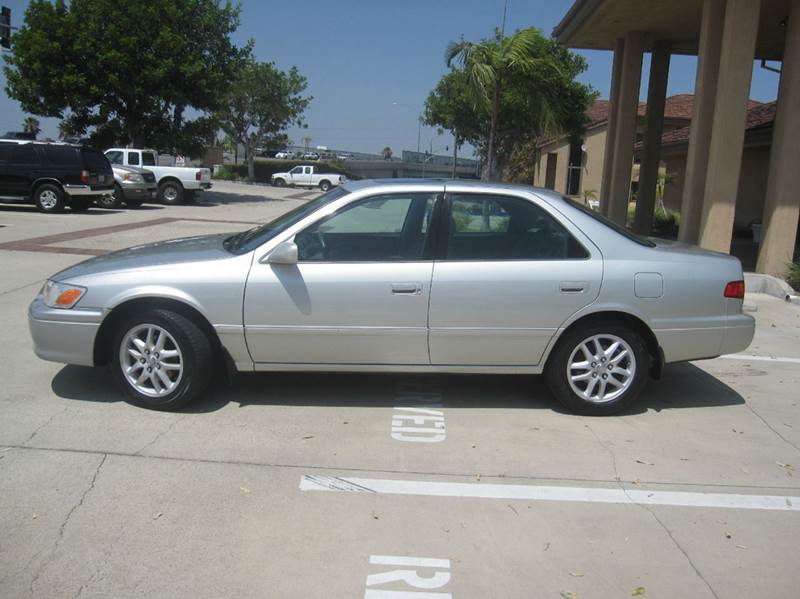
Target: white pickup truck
308	176
176	184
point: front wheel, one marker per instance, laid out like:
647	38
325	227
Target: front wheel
599	370
171	193
280	183
161	360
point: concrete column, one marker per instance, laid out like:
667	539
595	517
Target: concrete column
782	202
705	93
611	128
651	150
727	129
625	133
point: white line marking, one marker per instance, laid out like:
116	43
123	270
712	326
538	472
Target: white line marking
761	358
400	560
547	493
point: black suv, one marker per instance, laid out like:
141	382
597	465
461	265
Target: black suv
53	176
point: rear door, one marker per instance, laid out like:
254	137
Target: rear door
507	274
21	166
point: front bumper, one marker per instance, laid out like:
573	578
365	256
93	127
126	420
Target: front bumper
139	191
65	336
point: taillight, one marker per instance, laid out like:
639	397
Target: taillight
84	176
735	290
198	175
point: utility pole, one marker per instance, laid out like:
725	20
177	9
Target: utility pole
419	130
455	153
503	26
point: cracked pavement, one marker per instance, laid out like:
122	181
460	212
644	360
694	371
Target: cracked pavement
100	499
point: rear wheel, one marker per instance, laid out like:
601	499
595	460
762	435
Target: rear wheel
171	192
112	201
599	370
49	198
161	360
324	185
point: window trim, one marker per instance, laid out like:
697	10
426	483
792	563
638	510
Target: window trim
441	249
428	250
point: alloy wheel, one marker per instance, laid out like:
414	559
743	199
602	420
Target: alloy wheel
601	368
151	360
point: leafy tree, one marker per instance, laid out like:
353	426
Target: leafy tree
507	93
126	70
387	153
31	125
260	104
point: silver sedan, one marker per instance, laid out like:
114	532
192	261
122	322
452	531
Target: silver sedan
401	276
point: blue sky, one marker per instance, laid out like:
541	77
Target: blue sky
371	64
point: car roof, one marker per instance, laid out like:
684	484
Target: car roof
460	183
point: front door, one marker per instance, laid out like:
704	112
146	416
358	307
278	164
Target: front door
508	275
358	294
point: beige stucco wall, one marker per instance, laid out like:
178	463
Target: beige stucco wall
591	175
752	184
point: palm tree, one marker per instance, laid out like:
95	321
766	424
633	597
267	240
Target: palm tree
492	62
31	125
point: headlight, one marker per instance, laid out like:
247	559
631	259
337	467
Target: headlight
133	178
60	295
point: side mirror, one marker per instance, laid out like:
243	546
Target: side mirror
284	253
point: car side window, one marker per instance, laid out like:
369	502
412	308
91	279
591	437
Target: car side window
133	158
148	159
24	154
296	170
386	228
307	170
114	157
62	155
496	227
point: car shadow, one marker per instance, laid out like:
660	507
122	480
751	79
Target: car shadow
31	209
682	386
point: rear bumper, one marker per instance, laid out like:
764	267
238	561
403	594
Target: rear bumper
88	190
680	345
738	333
65	336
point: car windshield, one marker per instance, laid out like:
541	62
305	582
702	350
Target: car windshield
246	241
640	239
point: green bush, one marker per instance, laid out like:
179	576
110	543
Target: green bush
793	275
665	221
226	173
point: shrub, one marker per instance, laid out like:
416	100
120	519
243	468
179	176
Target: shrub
793	275
226	173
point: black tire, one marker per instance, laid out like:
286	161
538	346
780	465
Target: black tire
324	185
197	359
280	183
171	193
114	201
49	198
556	372
134	203
80	204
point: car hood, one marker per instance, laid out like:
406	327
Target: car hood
201	248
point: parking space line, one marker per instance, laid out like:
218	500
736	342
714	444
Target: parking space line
761	358
549	493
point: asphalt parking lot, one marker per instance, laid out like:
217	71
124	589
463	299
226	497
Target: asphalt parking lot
298	485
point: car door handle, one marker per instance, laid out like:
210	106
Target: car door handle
406	288
572	286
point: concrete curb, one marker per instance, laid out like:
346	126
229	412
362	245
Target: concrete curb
759	283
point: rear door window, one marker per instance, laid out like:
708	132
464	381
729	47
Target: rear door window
133	158
62	156
148	159
24	154
495	227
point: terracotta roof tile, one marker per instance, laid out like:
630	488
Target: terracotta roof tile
758	115
676	107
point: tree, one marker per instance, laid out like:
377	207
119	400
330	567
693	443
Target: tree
31	125
504	93
260	104
387	153
93	64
